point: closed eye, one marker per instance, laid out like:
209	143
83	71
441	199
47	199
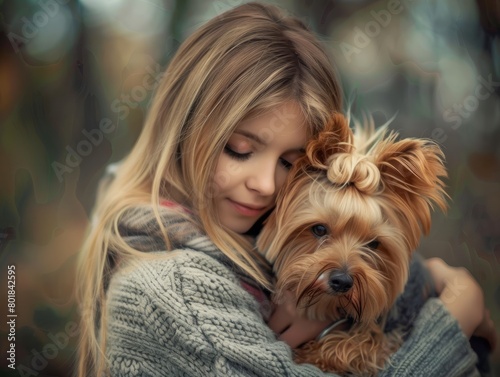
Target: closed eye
287	165
236	155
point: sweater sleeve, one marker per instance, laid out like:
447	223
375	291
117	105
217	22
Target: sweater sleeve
188	316
436	347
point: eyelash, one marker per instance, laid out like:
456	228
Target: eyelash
245	156
236	155
287	165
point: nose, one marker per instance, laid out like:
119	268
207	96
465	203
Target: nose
262	179
340	281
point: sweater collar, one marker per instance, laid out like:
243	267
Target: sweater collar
139	228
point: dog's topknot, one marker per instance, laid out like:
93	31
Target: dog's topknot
336	137
350	169
332	152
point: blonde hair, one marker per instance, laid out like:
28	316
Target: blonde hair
242	63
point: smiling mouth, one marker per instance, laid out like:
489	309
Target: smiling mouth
246	209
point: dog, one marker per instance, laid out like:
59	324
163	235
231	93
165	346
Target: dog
342	236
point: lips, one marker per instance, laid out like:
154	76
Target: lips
247	209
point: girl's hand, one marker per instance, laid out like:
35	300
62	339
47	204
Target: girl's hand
292	329
464	299
486	330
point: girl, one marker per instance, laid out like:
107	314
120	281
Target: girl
235	108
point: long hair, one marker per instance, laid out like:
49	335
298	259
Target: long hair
240	64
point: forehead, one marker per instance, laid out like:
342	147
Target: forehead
283	125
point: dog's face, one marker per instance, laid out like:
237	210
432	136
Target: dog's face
340	253
347	220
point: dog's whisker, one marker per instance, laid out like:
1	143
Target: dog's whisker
310	290
321	243
361	294
313	297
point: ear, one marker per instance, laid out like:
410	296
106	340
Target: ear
412	172
336	137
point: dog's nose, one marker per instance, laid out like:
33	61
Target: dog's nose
340	281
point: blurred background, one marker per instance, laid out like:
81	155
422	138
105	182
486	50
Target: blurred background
76	78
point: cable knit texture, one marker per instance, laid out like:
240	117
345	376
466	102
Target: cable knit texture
188	315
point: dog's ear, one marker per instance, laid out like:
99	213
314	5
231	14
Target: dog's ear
412	172
336	137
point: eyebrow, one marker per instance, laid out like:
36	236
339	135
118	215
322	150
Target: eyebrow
251	135
257	139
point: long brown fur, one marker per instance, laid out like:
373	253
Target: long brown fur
374	195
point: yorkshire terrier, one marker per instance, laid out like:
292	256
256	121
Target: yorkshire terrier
342	235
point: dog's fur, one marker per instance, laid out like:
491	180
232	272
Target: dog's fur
342	235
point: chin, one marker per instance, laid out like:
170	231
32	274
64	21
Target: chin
240	226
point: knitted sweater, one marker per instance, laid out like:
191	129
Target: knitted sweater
187	314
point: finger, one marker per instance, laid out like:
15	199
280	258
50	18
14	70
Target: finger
302	330
438	270
492	339
284	313
487	330
490	330
280	320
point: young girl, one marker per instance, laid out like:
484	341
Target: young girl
235	109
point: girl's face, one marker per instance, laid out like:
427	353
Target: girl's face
254	164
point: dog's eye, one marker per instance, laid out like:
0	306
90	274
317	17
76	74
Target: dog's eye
319	230
373	244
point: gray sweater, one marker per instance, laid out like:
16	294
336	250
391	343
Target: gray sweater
188	315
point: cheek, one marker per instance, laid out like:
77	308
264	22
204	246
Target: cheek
226	172
280	179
